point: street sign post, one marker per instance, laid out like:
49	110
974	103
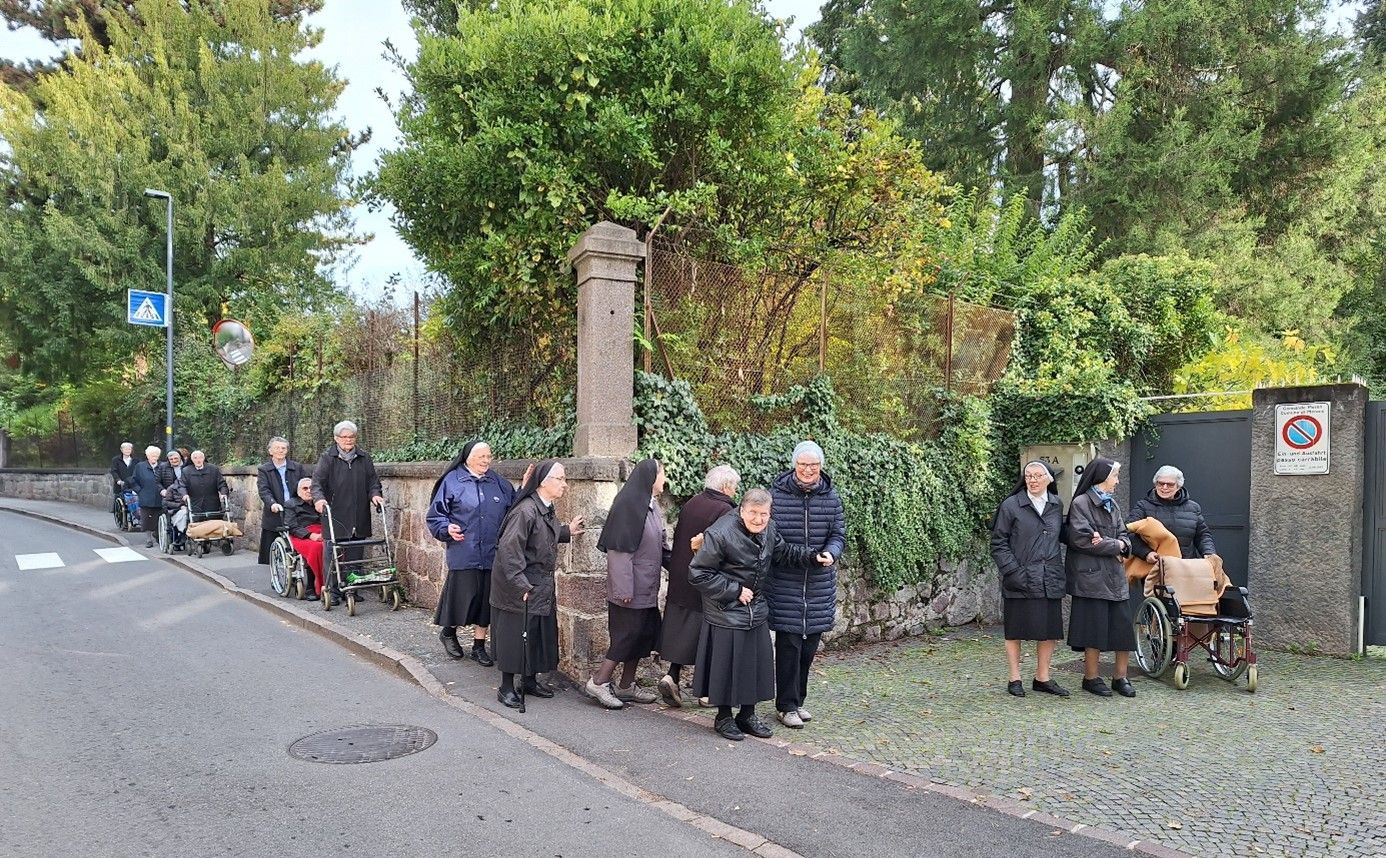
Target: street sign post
146	308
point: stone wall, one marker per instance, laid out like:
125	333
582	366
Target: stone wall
88	486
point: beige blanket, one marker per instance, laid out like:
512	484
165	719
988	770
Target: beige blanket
1197	584
214	529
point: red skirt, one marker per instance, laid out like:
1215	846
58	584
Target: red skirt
311	551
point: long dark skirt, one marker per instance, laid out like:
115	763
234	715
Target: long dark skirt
678	634
1100	624
466	599
267	538
1033	619
735	667
633	631
506	630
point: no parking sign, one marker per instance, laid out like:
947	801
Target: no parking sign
1301	438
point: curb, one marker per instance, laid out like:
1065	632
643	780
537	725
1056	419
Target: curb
409	668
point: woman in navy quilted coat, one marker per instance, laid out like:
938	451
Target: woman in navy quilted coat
807	511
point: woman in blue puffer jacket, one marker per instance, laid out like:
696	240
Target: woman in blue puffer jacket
807	511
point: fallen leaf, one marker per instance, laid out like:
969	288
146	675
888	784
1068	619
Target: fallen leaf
1026	793
1175	824
1318	749
798	752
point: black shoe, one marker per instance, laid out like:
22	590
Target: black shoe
450	645
1015	688
149	543
755	727
535	688
1048	686
1123	687
727	729
1097	686
508	696
482	657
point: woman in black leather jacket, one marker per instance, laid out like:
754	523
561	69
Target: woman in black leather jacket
736	664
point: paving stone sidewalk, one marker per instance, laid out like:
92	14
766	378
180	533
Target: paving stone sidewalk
1292	770
1295	769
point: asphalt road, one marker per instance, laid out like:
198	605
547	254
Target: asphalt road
145	712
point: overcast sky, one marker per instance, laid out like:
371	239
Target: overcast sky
354	32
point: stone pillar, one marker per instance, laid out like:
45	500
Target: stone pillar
4	449
1305	547
605	258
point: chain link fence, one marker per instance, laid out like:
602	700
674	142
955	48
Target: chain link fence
735	332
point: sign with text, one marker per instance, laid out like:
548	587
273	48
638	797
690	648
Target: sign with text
1301	438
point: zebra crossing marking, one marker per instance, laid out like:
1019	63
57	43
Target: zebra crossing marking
47	560
123	554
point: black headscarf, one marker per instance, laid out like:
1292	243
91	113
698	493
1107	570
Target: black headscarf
1053	479
625	524
1097	471
457	462
541	473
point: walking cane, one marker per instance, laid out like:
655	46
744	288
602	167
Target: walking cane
524	655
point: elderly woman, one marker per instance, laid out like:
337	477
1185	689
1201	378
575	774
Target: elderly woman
204	486
731	571
633	541
469	502
683	606
275	482
1170	503
803	600
1026	543
345	478
1097	542
305	532
522	584
144	479
122	471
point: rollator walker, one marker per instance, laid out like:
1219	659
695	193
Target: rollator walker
373	570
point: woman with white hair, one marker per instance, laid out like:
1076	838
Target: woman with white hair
276	482
683	605
144	479
1170	504
803	599
345	478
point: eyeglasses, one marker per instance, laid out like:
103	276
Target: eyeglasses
1162	484
557	479
809	466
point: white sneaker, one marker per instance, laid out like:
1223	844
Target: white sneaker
670	691
790	719
804	716
634	694
602	694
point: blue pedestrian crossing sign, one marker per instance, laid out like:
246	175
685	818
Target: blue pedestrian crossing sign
146	308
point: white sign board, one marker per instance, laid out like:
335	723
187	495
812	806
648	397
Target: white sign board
1301	438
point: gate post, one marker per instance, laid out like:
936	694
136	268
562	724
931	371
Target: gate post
1305	546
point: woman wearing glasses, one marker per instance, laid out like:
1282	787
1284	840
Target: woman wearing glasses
1170	504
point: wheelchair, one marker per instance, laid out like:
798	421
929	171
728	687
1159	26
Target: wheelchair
171	537
289	573
127	511
1189	607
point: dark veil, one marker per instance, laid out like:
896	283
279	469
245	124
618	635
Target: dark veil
541	473
1097	471
625	524
458	461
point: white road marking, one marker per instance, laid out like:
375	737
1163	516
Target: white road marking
122	554
38	561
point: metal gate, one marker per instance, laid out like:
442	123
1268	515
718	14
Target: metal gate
1213	449
1374	521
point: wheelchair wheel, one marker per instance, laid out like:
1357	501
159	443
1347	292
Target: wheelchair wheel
1230	646
1154	637
228	547
280	581
351	604
165	538
1181	676
121	520
1251	679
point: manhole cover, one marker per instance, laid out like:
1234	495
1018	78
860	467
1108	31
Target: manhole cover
363	744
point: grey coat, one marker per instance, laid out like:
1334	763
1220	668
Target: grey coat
1027	548
1096	571
526	555
632	577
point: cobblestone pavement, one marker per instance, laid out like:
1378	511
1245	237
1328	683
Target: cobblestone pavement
1295	769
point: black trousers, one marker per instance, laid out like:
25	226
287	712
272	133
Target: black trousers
793	658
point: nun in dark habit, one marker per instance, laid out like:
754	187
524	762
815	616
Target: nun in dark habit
1097	541
469	502
522	583
633	541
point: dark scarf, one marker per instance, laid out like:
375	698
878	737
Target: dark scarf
458	461
625	524
531	487
1097	471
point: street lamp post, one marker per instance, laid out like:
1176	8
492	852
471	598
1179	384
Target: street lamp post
168	319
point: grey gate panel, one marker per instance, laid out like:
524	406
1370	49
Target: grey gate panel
1374	522
1213	449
